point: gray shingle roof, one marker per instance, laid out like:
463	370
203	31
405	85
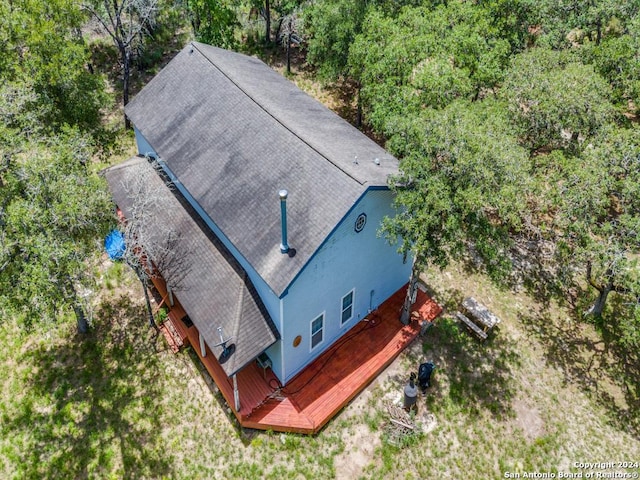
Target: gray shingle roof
215	291
235	132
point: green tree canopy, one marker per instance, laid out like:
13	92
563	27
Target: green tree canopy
52	213
332	26
43	66
52	208
555	100
564	23
598	201
616	59
589	209
213	21
463	183
426	57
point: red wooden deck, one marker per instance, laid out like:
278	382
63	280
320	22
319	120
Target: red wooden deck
322	389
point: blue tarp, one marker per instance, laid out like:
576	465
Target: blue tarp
114	244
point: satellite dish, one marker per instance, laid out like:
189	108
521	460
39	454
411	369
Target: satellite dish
227	350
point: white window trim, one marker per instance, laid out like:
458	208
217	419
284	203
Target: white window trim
311	346
353	301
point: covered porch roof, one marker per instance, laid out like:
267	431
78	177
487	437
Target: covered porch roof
214	290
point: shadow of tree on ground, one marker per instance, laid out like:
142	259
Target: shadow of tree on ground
602	361
470	376
89	403
593	362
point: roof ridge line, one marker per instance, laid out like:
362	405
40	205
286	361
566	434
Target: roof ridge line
239	305
274	117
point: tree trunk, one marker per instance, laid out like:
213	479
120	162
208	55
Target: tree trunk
81	319
289	50
405	316
598	306
83	325
267	19
359	108
152	322
126	59
603	291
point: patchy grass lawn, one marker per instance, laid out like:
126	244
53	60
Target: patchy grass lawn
118	404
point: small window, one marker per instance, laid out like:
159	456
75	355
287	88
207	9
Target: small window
317	331
347	307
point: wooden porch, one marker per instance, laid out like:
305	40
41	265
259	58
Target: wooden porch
324	387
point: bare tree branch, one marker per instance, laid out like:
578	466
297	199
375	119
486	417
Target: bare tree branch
125	22
153	250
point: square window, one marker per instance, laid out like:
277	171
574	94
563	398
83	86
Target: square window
317	331
347	308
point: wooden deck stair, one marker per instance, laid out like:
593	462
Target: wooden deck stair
174	332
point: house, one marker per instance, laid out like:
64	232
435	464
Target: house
279	203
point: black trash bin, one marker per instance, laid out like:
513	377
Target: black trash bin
424	375
411	393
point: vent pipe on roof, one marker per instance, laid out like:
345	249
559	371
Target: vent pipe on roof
284	246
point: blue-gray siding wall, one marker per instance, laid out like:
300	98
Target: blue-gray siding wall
144	147
347	260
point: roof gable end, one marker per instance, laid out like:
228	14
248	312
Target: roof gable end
234	132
